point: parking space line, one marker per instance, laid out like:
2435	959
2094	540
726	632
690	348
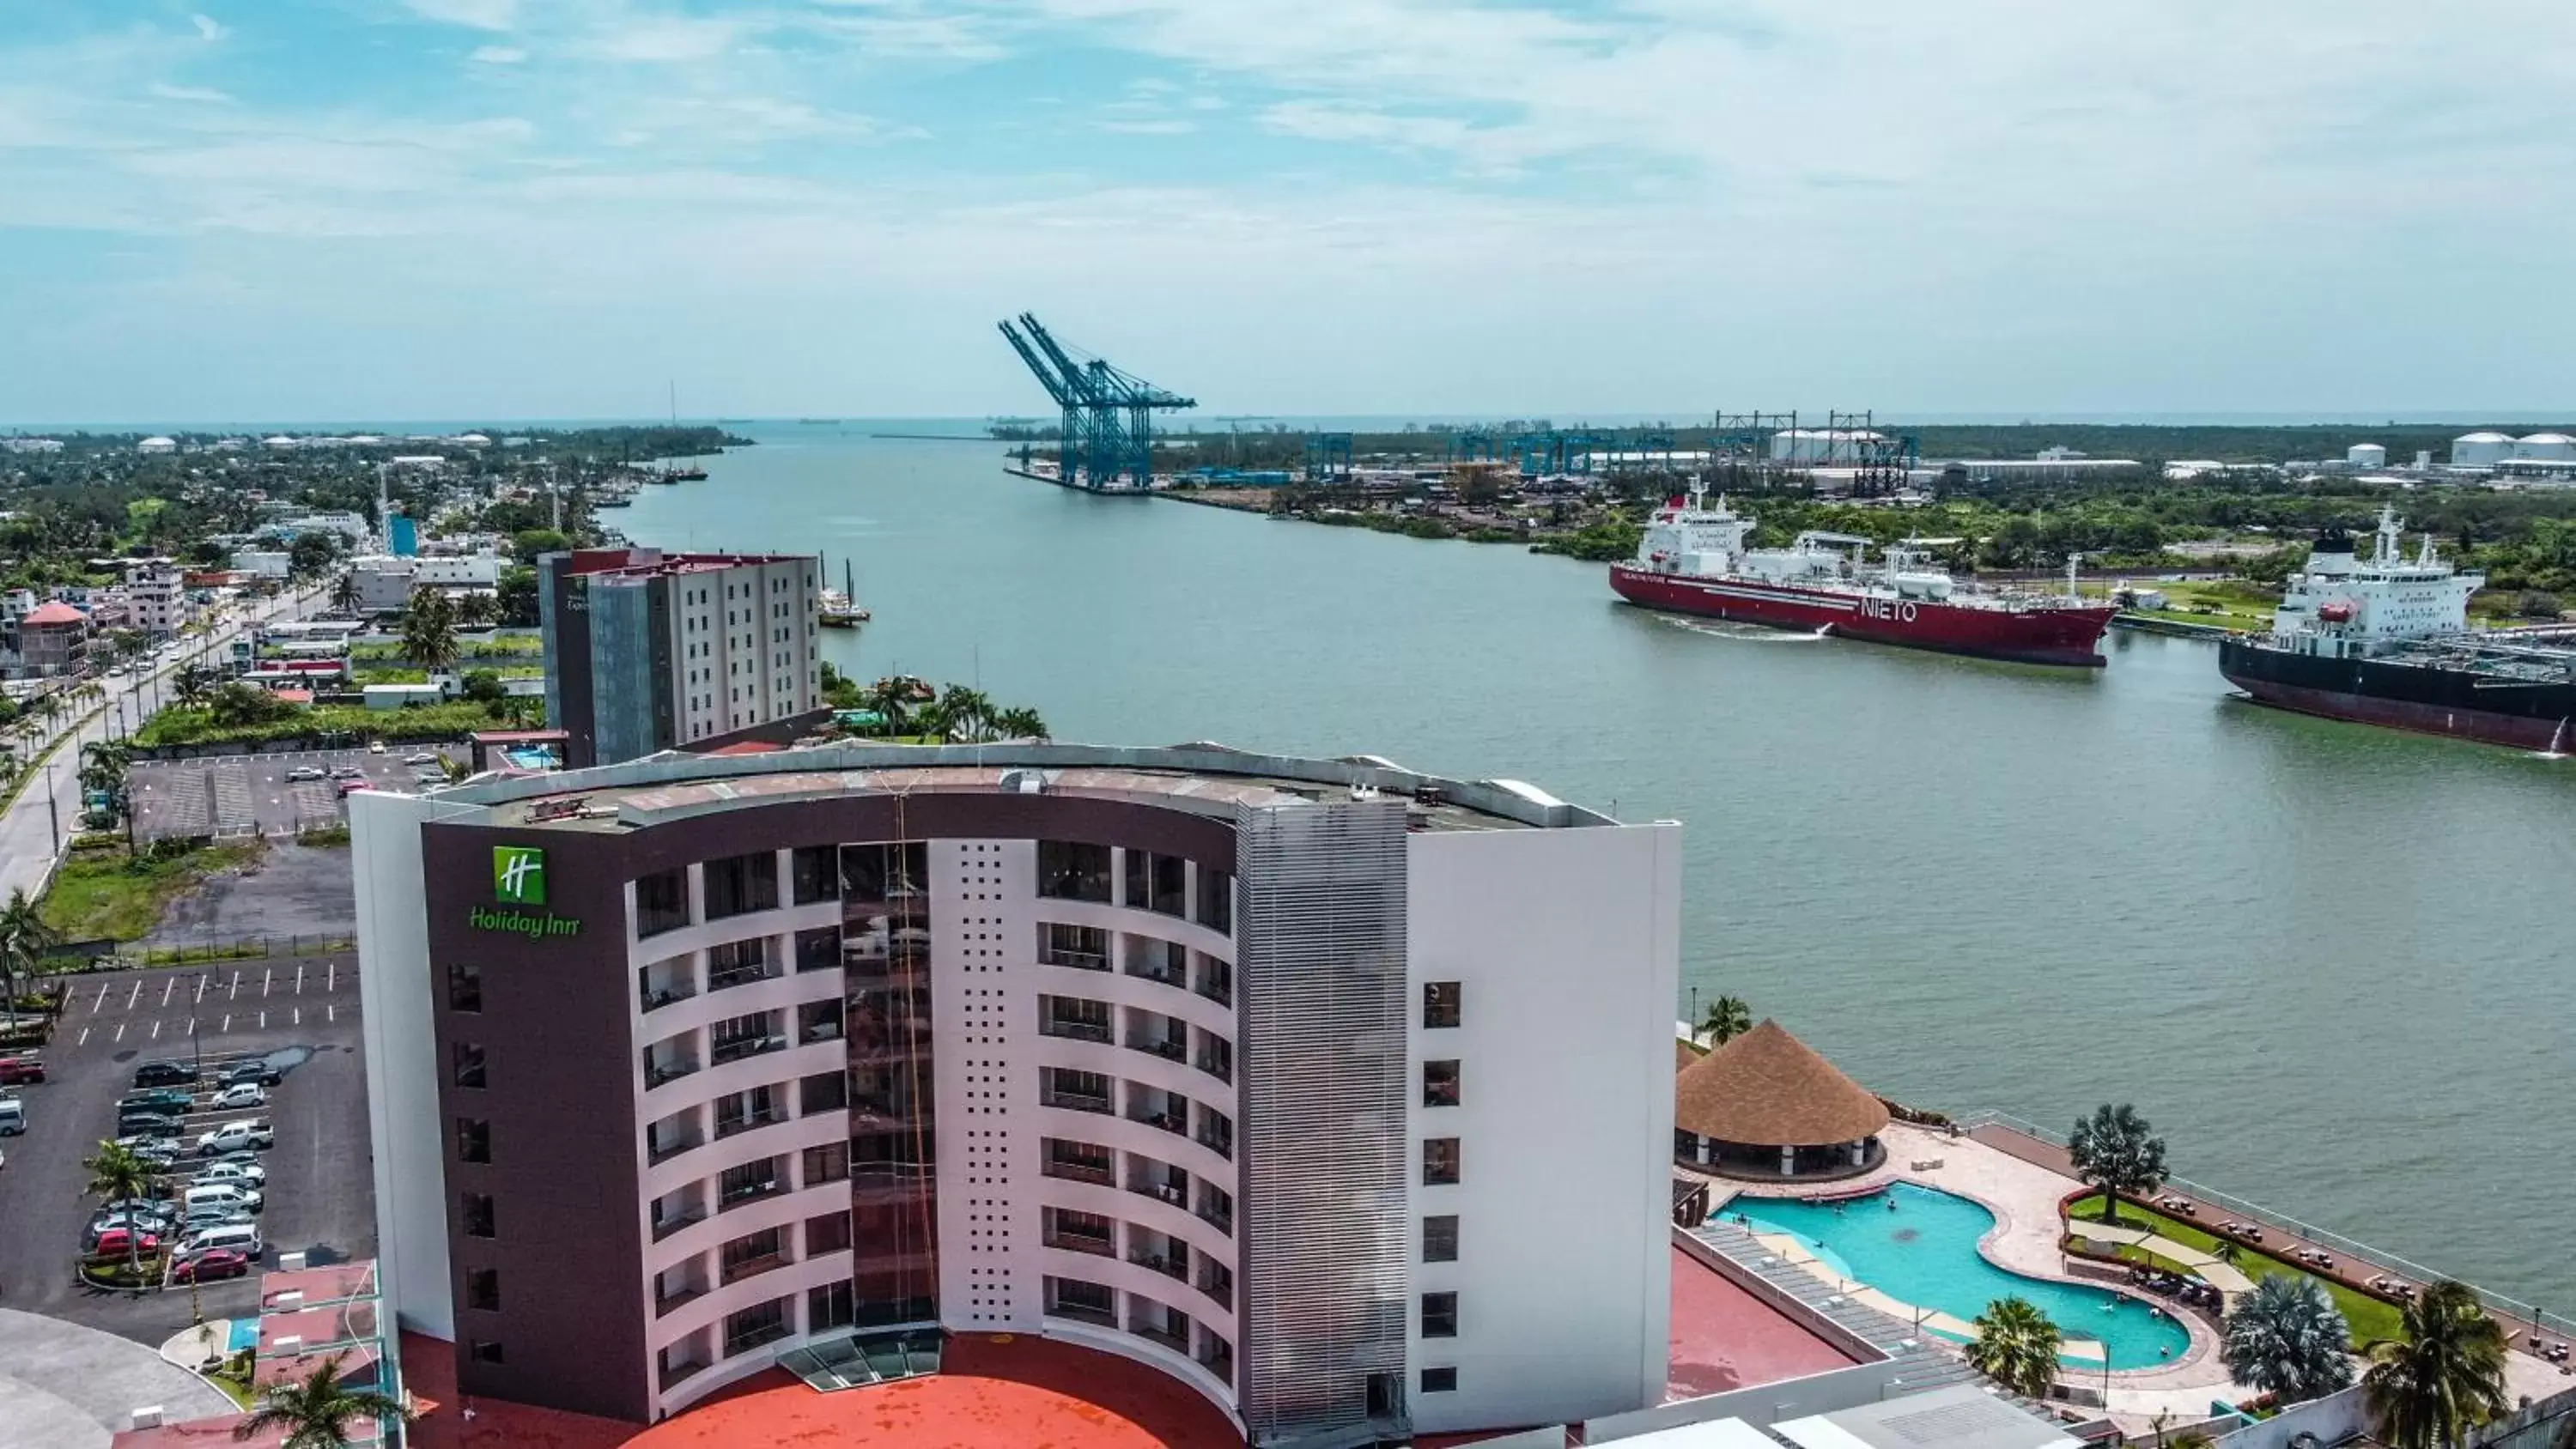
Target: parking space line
201	989
166	988
267	978
84	1037
134	995
156	1028
329	1013
120	1031
330	975
299	978
101	1002
236	991
228	1021
263	1020
299	1017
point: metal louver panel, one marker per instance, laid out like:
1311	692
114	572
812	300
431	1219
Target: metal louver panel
1322	1003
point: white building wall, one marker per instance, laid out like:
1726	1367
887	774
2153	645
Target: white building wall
984	1003
396	987
1566	946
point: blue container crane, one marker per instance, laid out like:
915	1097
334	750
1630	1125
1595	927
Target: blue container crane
1108	437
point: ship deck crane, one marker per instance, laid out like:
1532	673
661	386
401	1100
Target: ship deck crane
1108	434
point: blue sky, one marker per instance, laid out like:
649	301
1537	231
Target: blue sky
532	208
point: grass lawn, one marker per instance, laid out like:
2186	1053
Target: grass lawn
2239	605
100	894
2367	1317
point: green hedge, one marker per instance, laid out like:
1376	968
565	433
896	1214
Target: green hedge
192	725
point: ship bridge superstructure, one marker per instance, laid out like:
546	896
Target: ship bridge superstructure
2342	605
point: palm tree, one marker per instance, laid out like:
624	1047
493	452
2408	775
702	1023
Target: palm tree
192	683
889	701
429	631
24	940
344	593
1728	1018
117	1174
2287	1338
315	1411
2443	1377
1020	724
2115	1151
966	714
473	611
2016	1346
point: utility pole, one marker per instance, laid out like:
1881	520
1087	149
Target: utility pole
53	807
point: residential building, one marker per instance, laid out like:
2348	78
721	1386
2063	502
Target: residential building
49	639
156	598
1338	1093
385	582
647	651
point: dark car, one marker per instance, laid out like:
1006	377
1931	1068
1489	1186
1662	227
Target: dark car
150	1124
257	1069
168	1101
21	1068
165	1074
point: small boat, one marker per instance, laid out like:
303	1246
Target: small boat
684	475
838	612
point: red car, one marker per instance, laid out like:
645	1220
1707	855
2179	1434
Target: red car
17	1069
112	1244
209	1265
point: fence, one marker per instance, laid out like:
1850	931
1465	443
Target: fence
2497	1303
119	956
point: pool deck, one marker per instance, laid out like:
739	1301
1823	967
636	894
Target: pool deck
2022	1188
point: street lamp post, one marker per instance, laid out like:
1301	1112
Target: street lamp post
53	807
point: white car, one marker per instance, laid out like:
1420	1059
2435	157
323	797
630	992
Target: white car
424	757
233	1136
239	1174
239	1094
375	747
304	772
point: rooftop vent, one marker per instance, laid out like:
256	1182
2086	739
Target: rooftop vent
1024	782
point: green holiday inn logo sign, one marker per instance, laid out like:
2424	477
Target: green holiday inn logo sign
518	882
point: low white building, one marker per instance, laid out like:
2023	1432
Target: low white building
386	581
157	445
266	563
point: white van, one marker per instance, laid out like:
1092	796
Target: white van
13	1116
240	1237
218	1195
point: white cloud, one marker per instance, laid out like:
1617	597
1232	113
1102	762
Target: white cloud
499	54
209	28
474	14
189	93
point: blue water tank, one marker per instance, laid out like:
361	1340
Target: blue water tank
406	537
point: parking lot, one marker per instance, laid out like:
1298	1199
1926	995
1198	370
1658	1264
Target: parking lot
253	794
299	1013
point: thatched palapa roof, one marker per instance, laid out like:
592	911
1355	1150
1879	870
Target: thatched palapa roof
1766	1088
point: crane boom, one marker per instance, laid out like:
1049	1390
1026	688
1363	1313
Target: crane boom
1107	440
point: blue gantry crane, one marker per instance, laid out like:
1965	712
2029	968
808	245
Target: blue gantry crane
1107	442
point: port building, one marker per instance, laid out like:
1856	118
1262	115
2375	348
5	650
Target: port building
1333	1093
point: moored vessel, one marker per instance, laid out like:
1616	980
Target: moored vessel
1693	560
2386	641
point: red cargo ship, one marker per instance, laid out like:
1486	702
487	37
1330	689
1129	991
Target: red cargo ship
1693	561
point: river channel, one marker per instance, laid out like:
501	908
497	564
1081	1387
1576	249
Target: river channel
2332	963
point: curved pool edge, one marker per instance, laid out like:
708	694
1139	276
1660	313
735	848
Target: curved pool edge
2201	1338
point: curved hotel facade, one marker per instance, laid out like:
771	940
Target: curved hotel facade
1338	1093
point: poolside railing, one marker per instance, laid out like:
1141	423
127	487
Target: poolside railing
2499	1304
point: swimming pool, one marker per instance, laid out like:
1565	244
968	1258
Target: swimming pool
1924	1252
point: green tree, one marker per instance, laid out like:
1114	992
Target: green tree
2016	1346
317	1410
477	610
24	940
484	686
528	543
2116	1151
2287	1338
516	598
1728	1018
429	630
191	683
2445	1376
1021	723
890	700
117	1173
312	554
344	592
235	703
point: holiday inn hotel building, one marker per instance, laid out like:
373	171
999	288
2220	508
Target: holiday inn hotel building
1338	1093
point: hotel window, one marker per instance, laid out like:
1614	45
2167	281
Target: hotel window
1439	1161
1440	1238
1439	1315
827	1163
477	1213
467	1059
1216	901
661	902
753	1327
829	1233
1440	1084
830	1306
1071	871
484	1350
815	873
823	1092
819	949
483	1289
742	883
464	987
1439	1003
473	1140
1439	1380
1157	883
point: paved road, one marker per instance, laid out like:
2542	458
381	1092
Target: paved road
27	828
302	1012
63	1387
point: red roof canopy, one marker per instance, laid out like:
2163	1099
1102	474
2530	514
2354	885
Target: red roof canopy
54	611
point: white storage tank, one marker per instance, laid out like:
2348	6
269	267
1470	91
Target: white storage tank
2557	447
2366	455
2480	450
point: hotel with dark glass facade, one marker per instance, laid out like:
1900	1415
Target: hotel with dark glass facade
1336	1092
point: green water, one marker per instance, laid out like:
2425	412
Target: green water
2331	962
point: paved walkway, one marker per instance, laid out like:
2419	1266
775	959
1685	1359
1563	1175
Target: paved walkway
63	1386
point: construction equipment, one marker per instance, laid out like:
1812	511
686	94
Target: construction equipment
1107	443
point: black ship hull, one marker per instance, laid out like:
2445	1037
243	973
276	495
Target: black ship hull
2406	695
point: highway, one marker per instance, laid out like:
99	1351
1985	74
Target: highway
28	842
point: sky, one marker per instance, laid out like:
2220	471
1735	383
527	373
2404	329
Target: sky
379	209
